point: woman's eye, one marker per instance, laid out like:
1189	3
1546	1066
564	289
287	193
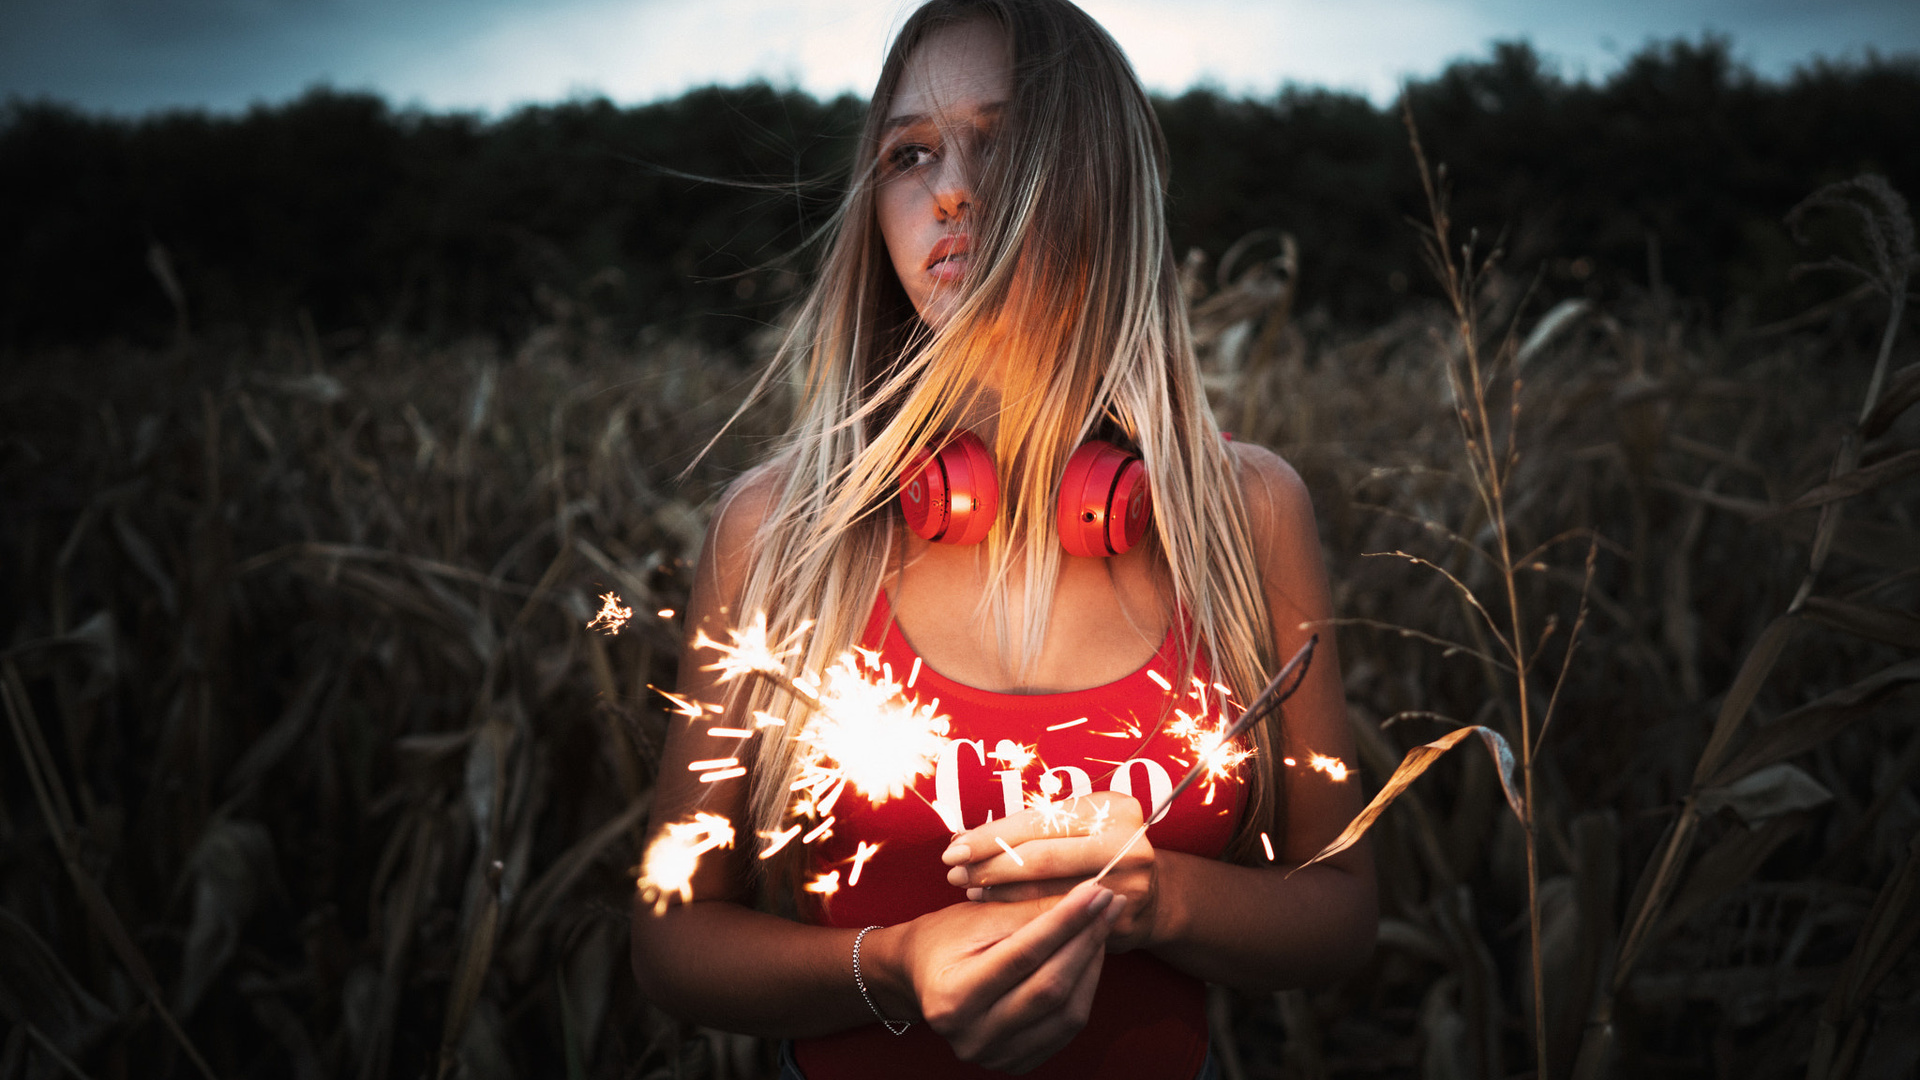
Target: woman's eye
907	156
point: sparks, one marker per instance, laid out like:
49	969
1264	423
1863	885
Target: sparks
777	840
1011	854
1053	815
722	774
1268	844
860	856
675	853
1099	823
1161	679
1012	754
1335	769
1215	754
612	616
750	651
1068	724
686	707
860	733
665	613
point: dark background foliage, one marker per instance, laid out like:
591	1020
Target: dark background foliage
1679	166
324	429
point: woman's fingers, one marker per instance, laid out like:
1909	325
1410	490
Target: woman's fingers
1041	1015
1094	814
1013	959
1037	860
1014	892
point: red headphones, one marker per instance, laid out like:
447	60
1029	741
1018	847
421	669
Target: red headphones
950	496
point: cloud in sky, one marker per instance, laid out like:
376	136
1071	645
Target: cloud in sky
135	55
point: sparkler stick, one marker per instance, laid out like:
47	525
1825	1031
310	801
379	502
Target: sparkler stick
1278	690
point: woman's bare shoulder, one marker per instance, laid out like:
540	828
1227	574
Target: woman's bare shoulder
1276	498
733	531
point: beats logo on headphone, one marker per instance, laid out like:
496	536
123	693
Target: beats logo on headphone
950	496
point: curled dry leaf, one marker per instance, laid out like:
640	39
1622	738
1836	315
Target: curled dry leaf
1417	761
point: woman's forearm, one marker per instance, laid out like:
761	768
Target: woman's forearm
1256	928
726	966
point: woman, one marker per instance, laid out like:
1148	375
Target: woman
1000	267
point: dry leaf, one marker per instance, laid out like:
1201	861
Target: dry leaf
1417	761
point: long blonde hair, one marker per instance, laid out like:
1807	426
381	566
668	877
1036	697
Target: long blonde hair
1072	275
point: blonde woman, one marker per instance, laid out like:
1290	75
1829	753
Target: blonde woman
1000	268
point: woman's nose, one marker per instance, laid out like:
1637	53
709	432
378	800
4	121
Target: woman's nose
953	186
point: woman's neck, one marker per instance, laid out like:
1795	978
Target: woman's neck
979	410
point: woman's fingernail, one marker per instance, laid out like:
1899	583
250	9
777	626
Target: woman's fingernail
1100	900
957	876
956	854
1114	910
976	893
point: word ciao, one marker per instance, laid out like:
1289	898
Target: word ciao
1072	779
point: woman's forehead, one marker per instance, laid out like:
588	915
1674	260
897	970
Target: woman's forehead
958	71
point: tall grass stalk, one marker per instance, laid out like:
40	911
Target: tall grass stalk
1491	455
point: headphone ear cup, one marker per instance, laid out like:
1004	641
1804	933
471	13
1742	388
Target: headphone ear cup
1104	506
951	495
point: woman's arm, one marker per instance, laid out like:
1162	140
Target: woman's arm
1006	987
1245	926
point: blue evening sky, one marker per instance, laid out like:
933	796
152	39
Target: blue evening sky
130	56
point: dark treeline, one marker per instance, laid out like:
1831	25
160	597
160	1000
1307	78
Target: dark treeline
1675	170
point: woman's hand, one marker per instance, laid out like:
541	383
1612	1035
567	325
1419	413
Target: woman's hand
1007	985
1053	851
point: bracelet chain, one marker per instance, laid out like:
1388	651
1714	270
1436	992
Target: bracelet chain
862	984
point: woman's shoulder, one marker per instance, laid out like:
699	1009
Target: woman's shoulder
1276	498
733	531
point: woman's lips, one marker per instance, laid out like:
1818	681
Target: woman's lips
948	259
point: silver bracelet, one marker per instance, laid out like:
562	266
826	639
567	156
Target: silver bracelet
862	984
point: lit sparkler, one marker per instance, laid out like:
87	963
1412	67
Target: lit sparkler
863	734
612	616
1278	690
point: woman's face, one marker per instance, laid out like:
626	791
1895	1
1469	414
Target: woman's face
941	121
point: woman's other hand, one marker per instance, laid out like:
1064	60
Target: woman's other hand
1050	851
1007	985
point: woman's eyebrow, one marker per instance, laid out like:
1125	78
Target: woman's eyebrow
895	123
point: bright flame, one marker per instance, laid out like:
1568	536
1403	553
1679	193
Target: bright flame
826	884
612	616
675	853
1207	740
864	732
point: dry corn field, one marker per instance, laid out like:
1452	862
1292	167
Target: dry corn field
313	769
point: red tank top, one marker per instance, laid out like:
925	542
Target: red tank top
1148	1019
